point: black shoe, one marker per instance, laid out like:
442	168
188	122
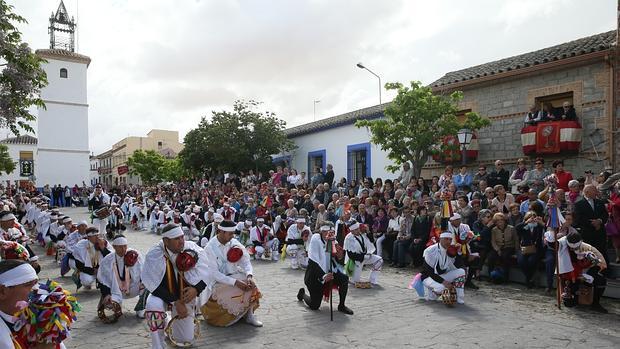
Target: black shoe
345	309
599	308
470	284
300	294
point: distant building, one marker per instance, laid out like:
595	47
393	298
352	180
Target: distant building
112	164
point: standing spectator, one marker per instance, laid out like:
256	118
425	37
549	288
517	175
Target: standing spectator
499	175
562	176
518	177
530	233
536	176
406	174
293	178
481	175
590	217
422	225
573	195
329	175
67	194
403	238
463	178
568	112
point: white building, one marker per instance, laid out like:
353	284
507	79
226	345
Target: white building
337	141
62	130
60	152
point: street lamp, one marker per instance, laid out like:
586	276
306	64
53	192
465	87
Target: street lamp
314	107
464	135
361	66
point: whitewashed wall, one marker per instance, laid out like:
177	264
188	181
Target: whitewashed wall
335	142
65	168
14	150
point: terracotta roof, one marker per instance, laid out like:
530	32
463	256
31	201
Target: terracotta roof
337	121
23	139
590	44
63	55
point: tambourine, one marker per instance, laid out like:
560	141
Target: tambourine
168	332
234	254
131	258
448	296
112	306
186	260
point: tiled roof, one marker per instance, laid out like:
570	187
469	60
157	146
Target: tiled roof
590	44
24	139
336	121
63	55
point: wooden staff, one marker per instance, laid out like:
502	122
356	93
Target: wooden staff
556	246
329	247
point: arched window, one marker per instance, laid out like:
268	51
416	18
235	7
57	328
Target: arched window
63	73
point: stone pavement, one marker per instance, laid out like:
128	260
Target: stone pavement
388	316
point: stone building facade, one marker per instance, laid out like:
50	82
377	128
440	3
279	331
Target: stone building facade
579	72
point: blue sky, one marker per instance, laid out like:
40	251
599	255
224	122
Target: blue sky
164	64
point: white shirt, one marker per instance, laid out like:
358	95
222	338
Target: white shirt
219	266
5	332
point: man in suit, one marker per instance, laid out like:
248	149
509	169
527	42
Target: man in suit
590	217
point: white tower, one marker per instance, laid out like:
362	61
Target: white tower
62	131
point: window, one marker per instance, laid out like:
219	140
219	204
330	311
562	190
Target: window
555	100
358	161
63	73
316	159
160	144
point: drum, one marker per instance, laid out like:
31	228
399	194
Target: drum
363	284
102	213
177	344
113	307
449	296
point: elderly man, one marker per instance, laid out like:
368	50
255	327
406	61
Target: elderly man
88	254
440	272
590	217
406	174
359	252
176	273
297	236
119	275
229	264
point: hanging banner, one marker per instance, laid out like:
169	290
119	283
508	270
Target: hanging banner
26	168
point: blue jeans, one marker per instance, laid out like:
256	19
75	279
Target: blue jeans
399	250
550	266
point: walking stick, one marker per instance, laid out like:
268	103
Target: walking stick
557	269
329	248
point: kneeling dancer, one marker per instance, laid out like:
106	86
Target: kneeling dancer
439	274
323	271
234	293
175	274
119	278
88	254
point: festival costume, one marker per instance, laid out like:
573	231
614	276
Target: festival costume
296	247
360	251
165	282
226	304
97	202
87	259
439	266
319	265
120	281
265	245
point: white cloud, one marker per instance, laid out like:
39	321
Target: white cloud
164	64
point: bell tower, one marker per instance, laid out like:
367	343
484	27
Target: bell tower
62	126
62	30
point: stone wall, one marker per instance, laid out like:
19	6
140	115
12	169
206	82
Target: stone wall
506	102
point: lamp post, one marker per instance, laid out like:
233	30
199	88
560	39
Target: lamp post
314	107
361	66
464	136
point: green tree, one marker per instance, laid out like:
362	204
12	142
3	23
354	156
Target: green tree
416	123
7	165
21	78
173	170
243	139
149	165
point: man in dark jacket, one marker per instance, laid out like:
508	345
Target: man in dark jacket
590	218
498	176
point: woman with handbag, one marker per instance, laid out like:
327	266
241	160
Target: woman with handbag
530	233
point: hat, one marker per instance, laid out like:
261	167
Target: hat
354	226
82	223
455	217
119	240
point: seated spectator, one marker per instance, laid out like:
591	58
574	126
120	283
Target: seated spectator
533	116
530	233
502	200
463	178
515	217
568	112
562	176
532	197
518	176
482	245
505	243
548	113
422	225
573	195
